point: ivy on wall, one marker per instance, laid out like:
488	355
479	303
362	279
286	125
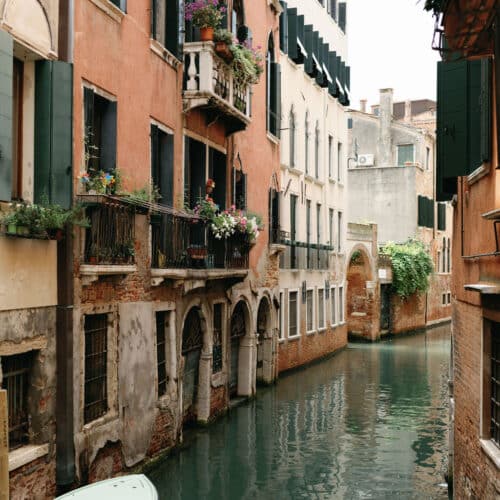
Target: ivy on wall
411	267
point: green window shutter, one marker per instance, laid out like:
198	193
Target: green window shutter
430	212
347	84
6	74
332	86
308	40
485	101
53	132
284	28
342	16
167	166
275	111
441	217
155	164
474	115
293	49
174	28
421	211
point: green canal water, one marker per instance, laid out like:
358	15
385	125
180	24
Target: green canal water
369	422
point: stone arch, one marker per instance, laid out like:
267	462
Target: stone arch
193	338
240	351
363	316
28	21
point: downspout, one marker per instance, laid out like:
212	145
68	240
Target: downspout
65	451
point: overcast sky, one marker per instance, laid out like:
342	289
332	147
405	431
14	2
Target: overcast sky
390	46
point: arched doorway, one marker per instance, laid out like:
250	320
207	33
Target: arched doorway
238	330
264	341
192	341
361	297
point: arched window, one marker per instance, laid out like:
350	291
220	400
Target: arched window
306	145
445	253
291	126
316	151
238	21
273	90
448	252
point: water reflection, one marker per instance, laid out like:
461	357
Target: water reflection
367	423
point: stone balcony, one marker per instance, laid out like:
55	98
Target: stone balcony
210	85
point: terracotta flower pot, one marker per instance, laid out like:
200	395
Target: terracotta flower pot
207	34
222	50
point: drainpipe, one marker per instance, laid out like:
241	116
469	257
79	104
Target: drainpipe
65	451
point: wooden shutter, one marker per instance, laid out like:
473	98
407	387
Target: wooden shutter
430	212
308	42
53	132
275	119
342	16
485	102
6	103
421	211
332	66
107	151
155	167
172	27
284	28
167	168
441	225
320	76
293	49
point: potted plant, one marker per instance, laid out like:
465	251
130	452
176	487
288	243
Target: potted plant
10	223
206	15
223	40
247	64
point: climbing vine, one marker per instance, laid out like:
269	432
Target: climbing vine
411	267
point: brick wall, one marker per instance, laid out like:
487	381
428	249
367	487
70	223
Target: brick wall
440	283
33	481
475	476
407	314
164	434
218	401
296	352
108	463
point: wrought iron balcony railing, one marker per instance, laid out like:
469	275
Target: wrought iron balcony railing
210	83
181	241
300	255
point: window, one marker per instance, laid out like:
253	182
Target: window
217	342
333	8
310	311
161	353
293	314
340	233
491	367
330	156
448	256
316	151
292	138
441	213
306	143
281	331
444	255
321	308
341	304
439	262
162	164
121	4
17	129
330	226
96	359
340	162
16	381
273	90
100	132
165	25
427	157
318	223
405	154
333	306
425	211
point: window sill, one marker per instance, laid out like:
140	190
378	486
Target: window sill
26	454
106	419
322	329
295	171
331	180
310	332
492	451
110	9
295	337
164	54
91	272
478	174
333	325
273	138
276	6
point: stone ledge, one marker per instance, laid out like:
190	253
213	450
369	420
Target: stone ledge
158	275
164	54
492	451
26	454
91	272
110	9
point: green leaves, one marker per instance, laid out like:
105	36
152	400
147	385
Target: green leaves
411	267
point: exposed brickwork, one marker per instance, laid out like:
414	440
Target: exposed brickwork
475	476
218	401
33	481
108	463
407	314
440	283
164	433
307	348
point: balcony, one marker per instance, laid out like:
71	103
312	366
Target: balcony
209	85
183	248
108	248
300	255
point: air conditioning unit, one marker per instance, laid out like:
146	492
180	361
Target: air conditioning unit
365	160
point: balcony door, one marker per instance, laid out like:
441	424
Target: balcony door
217	172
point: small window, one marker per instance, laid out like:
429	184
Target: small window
162	164
121	4
281	331
217	343
330	156
306	144
340	162
449	297
292	138
310	311
16	381
330	226
341	304
491	402
161	353
318	223
165	25
427	158
96	360
293	313
321	308
333	306
406	154
316	150
340	233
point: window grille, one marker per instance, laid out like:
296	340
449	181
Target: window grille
16	372
292	311
310	310
321	309
217	343
161	323
333	307
96	358
495	383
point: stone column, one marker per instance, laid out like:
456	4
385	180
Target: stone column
246	367
385	121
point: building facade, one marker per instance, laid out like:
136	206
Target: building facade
467	174
392	174
315	79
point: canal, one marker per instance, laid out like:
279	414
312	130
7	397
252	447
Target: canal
369	422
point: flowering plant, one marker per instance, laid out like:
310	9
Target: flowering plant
223	225
247	64
244	223
101	182
205	13
206	208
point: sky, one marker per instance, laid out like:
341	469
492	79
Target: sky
389	44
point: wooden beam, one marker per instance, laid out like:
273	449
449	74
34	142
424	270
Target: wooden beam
4	447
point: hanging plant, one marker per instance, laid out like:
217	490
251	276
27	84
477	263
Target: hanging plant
411	267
